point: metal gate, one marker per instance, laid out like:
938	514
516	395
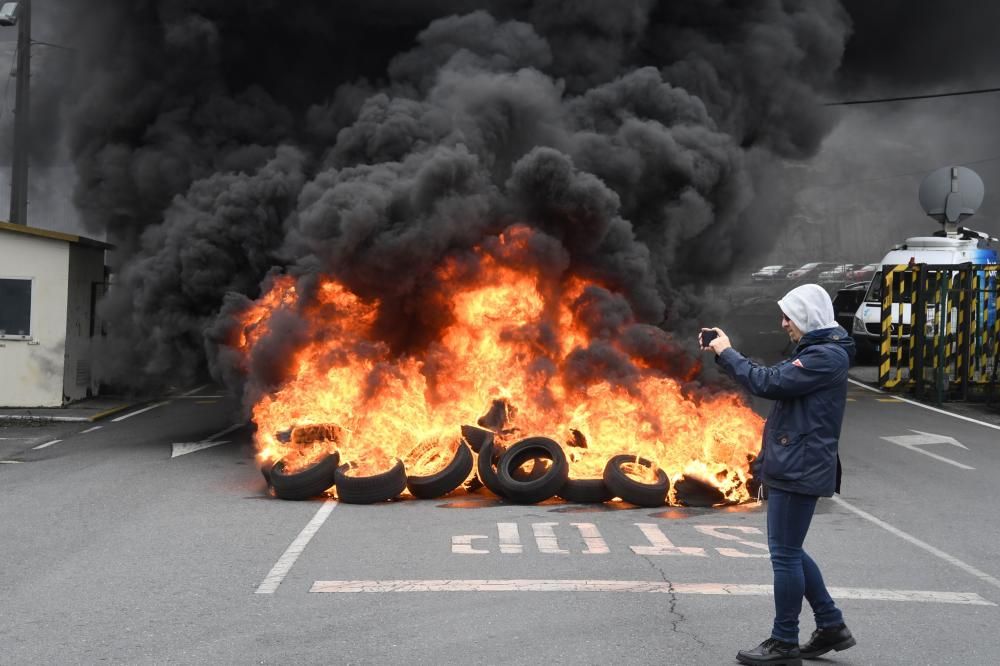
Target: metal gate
940	333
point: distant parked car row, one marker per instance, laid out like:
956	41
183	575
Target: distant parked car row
819	271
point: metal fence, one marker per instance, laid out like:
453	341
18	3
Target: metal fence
940	333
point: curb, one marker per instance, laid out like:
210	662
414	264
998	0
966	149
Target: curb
66	419
109	412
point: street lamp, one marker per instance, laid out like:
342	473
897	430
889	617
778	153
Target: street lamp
19	14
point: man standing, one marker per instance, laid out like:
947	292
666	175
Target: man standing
798	463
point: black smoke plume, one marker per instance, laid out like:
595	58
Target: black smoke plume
218	142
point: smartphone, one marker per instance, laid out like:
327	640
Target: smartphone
706	337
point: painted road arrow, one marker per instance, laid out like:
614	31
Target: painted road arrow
914	442
184	448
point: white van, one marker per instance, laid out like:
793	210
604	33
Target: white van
930	250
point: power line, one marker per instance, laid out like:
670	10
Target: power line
911	97
908	174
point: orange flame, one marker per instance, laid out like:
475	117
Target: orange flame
510	336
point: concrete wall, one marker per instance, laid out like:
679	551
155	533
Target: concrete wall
31	371
86	268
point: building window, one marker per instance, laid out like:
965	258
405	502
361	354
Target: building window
15	308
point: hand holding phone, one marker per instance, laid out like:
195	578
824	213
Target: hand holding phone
706	336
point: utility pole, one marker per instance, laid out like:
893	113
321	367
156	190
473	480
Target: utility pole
22	118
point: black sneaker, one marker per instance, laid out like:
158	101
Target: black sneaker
828	638
772	652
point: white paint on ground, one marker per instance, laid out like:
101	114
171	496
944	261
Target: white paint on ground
11	462
592	538
140	411
47	444
199	397
84	432
639	586
950	559
184	448
463	544
928	407
717	532
510	539
914	442
291	554
193	391
545	537
661	545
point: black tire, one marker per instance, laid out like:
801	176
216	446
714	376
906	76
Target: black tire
445	481
537	489
265	469
586	491
307	483
695	492
632	491
476	437
489	456
370	489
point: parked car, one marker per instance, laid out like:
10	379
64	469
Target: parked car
837	274
811	270
846	302
767	273
862	273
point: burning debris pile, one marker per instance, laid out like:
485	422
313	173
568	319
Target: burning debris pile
548	378
409	221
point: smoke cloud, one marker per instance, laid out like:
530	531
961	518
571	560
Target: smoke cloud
219	143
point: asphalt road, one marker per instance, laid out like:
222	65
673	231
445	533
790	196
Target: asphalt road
115	552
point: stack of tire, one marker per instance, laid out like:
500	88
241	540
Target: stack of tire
328	472
500	469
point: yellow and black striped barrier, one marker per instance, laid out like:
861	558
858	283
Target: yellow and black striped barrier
940	328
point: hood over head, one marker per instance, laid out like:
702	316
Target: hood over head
809	307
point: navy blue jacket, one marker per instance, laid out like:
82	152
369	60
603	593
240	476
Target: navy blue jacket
799	450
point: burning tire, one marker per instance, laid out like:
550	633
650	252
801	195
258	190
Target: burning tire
445	481
265	469
370	489
586	491
489	456
631	490
547	484
306	483
475	437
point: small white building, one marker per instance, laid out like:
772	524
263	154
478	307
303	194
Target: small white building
50	283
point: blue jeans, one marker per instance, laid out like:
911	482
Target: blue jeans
795	573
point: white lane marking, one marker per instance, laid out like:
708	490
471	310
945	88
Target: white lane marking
140	411
198	397
11	462
592	538
545	537
287	559
716	531
510	540
914	442
923	406
193	391
950	559
462	545
47	444
184	448
661	545
84	432
722	589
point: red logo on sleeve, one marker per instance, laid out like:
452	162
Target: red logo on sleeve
798	363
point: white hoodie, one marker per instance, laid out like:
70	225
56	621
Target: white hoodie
809	307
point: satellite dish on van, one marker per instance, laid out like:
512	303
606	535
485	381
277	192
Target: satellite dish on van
951	194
